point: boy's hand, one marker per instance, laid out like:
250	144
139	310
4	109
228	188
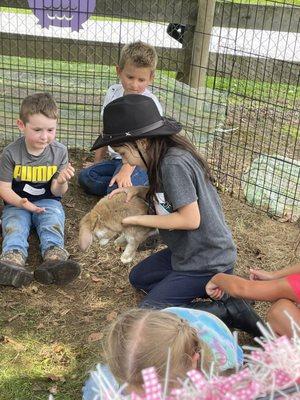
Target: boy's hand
122	178
260	275
213	291
27	205
65	175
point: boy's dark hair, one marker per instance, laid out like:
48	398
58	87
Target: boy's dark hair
38	103
140	54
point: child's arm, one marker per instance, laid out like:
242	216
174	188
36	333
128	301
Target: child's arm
185	218
12	198
266	275
123	177
59	186
236	286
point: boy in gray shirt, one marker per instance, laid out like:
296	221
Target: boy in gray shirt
34	175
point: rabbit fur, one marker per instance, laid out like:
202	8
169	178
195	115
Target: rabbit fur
104	222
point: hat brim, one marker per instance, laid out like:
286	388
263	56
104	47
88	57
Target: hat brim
170	127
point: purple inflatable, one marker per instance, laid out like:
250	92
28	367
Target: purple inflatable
63	13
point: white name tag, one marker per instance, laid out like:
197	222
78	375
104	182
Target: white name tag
162	207
33	191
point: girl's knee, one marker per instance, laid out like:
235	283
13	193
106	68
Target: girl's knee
279	317
134	277
279	307
82	177
137	278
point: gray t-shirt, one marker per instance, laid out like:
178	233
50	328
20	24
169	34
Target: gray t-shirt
210	248
30	175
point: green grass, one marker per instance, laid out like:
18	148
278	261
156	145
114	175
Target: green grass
279	93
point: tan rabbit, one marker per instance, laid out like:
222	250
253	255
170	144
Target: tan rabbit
104	222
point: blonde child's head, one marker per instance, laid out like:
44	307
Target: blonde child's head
38	103
141	338
140	55
136	67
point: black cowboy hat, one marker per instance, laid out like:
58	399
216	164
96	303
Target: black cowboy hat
133	117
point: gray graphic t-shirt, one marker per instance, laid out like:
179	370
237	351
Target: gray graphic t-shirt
31	175
210	248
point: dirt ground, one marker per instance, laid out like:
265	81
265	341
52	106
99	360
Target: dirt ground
78	314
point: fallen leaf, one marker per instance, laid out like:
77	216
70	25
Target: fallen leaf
96	279
53	378
34	289
65	294
57	348
53	389
65	312
15	317
95	336
18	346
111	316
70	205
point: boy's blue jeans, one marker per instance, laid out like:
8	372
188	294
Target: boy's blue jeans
49	225
95	179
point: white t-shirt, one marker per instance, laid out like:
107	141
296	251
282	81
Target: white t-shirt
116	91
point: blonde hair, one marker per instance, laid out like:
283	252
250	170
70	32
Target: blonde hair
140	54
141	338
38	103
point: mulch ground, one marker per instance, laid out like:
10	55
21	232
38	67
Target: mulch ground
78	314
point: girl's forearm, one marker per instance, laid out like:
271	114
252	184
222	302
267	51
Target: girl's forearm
170	221
239	287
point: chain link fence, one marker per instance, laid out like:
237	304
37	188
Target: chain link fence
242	110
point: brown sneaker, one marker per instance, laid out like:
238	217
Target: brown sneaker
57	272
55	253
57	269
13	257
12	271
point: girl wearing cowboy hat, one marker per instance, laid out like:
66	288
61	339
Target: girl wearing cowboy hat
184	204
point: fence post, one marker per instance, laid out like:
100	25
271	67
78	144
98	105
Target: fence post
200	50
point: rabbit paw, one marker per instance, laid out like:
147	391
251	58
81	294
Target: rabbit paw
103	241
125	259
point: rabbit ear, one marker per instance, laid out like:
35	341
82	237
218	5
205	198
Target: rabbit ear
85	232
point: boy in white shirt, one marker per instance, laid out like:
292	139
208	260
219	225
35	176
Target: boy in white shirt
136	72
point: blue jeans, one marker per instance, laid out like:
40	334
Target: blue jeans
164	286
95	179
49	225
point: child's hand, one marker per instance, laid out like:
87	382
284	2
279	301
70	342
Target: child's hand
122	179
27	205
131	192
214	291
260	275
66	174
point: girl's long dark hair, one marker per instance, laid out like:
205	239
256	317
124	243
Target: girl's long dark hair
156	152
